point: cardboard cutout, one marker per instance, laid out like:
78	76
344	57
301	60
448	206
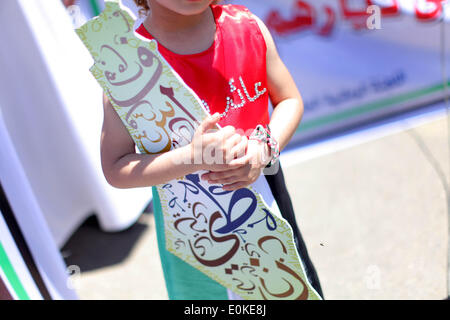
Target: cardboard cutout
238	238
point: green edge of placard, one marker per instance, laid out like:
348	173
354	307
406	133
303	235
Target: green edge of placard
312	124
11	275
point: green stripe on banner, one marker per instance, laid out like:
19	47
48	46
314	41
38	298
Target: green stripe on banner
312	124
11	275
95	7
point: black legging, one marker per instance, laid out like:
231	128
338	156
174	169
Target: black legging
278	186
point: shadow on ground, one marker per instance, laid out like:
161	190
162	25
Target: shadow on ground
91	248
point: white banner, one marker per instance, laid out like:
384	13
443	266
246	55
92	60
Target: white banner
355	61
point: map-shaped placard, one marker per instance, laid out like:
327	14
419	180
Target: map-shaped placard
238	238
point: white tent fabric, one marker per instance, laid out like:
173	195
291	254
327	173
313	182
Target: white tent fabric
52	109
33	227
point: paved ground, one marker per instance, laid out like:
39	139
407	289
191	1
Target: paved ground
374	217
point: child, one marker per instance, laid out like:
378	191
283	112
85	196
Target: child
218	50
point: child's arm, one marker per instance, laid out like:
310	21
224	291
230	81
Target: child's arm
124	168
283	93
287	114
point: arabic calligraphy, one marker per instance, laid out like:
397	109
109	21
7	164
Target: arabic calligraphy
222	224
322	19
135	79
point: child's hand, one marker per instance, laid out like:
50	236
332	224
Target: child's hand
217	149
254	162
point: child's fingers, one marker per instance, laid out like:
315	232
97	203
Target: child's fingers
235	186
227	132
238	150
219	176
228	180
239	162
209	123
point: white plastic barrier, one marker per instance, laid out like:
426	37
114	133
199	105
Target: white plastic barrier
31	266
52	108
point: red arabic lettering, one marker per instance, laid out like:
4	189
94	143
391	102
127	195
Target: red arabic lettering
427	15
391	10
302	19
357	17
328	27
352	14
348	13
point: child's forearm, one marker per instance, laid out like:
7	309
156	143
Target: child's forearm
285	119
208	150
143	170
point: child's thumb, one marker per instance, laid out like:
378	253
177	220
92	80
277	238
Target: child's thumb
209	122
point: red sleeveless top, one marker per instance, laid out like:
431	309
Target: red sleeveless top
231	72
